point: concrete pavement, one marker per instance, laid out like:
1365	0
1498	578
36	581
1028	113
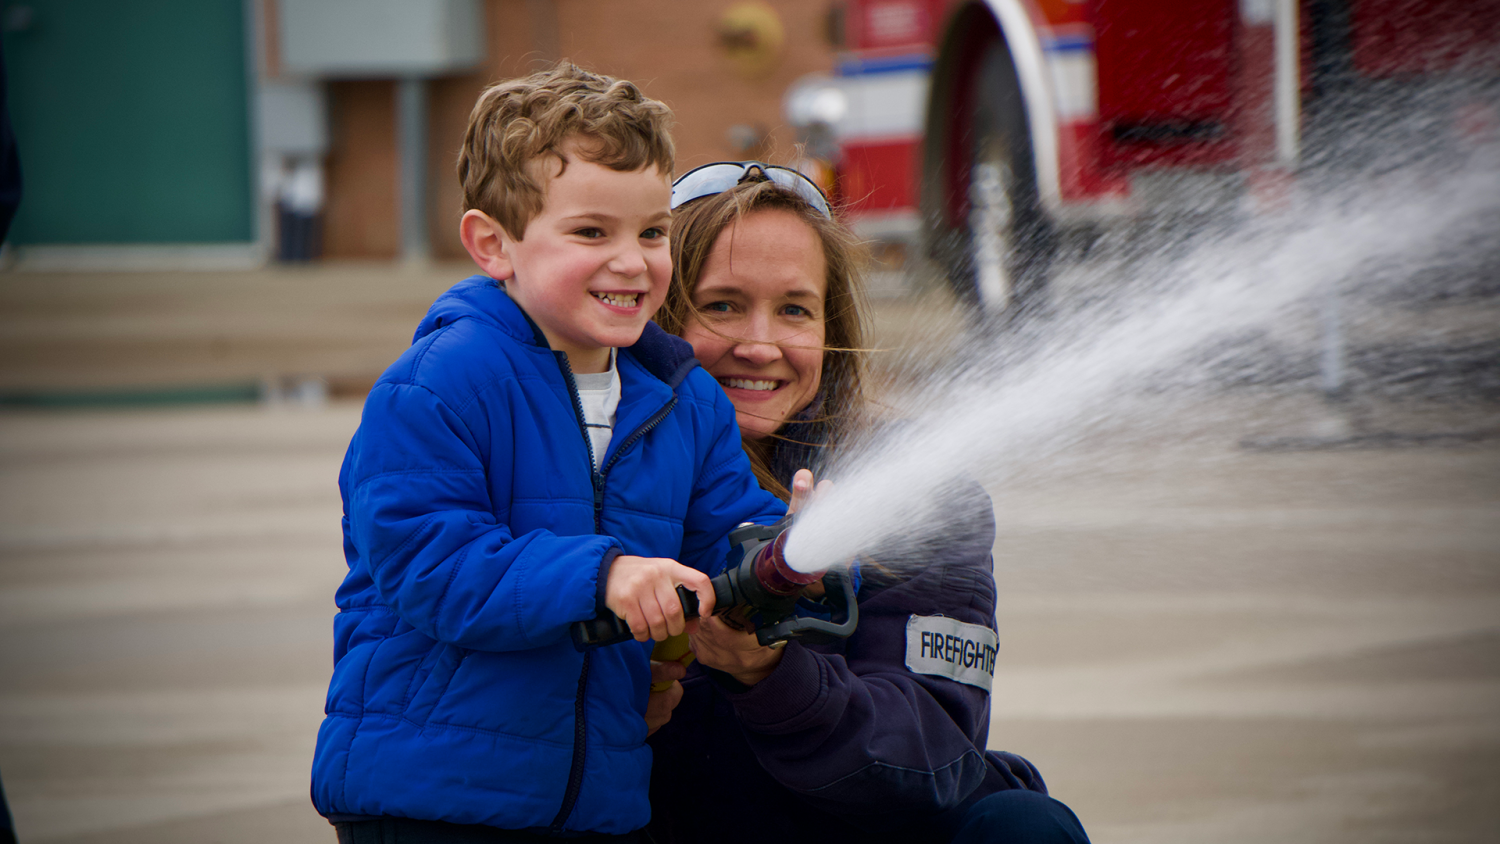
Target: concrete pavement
1199	642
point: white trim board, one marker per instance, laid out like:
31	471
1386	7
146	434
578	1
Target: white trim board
137	257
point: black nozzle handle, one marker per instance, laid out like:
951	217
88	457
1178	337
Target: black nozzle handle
610	629
841	599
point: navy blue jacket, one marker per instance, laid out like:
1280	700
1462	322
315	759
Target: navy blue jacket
476	532
843	742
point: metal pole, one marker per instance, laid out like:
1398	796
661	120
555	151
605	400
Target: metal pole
1288	93
411	122
1331	363
262	200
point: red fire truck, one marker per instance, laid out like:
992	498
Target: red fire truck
984	129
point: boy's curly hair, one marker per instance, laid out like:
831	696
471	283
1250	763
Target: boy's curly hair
516	123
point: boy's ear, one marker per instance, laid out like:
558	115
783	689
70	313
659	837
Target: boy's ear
487	243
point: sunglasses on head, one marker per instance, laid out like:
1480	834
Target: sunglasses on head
723	175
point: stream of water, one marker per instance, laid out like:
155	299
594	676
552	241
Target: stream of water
1003	407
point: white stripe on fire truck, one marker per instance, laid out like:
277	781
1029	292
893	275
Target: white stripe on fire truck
884	107
1069	54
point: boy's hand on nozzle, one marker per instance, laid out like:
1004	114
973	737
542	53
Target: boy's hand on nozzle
643	592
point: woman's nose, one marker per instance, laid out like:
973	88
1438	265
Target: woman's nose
757	344
757	352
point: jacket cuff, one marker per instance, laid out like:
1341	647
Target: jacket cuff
787	692
603	580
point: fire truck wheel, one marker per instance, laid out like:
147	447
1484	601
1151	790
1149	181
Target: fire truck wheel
998	253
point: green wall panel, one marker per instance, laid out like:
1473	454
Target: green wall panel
132	123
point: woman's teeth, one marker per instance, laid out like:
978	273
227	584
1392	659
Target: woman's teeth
747	384
619	300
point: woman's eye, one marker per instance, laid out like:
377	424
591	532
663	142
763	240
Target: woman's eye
796	311
715	308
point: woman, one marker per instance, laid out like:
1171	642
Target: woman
828	742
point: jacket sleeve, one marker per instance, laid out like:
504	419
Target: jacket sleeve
725	492
858	733
421	516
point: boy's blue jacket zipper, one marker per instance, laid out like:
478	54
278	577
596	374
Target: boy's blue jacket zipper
473	542
580	729
580	709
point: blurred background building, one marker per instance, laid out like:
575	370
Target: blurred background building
222	133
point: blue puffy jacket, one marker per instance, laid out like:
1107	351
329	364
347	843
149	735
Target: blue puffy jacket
476	532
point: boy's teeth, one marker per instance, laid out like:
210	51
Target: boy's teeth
619	300
747	384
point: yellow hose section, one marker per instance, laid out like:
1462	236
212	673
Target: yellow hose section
672	649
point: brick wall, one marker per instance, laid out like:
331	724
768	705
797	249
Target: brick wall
361	219
669	47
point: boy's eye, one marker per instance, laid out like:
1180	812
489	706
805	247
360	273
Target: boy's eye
589	232
654	232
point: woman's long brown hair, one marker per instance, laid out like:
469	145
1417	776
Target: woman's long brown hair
696	226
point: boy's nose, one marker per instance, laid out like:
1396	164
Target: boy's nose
629	263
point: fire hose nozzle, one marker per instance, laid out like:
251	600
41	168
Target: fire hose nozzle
758	591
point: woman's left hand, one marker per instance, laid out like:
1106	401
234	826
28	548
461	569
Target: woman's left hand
803	490
737	654
659	705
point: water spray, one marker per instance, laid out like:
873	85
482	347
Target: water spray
758	591
1005	410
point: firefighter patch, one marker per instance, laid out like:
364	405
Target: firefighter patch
947	647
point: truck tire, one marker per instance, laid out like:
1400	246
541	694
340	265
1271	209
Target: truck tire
984	220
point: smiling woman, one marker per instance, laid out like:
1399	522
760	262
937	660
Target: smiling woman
882	735
765	287
758	322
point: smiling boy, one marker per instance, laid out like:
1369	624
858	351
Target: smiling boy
541	452
594	265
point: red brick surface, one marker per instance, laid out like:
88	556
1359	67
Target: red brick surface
669	47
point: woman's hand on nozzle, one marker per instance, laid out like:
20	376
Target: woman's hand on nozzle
659	705
643	592
804	491
735	652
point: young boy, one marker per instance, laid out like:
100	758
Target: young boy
541	452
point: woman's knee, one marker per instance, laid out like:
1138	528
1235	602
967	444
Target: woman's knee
1020	817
